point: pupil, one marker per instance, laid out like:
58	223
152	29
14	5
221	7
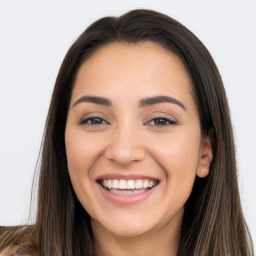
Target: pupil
96	121
160	121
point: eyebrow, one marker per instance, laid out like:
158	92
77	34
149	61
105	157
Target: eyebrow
142	103
160	99
93	99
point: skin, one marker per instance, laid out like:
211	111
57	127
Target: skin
131	139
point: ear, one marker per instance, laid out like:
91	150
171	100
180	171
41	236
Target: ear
206	156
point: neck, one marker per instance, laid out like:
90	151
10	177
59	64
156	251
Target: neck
160	241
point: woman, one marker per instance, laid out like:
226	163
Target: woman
138	154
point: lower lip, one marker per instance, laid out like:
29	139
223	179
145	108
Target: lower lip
126	199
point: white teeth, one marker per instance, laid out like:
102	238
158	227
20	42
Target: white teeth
105	183
109	184
128	184
139	184
145	184
128	192
115	184
122	184
151	184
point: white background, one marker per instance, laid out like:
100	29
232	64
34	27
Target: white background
34	37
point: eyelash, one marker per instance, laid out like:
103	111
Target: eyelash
90	120
162	121
158	121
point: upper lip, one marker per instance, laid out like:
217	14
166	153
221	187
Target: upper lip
120	176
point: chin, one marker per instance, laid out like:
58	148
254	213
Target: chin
128	231
123	226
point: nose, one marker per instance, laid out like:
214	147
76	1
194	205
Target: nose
125	147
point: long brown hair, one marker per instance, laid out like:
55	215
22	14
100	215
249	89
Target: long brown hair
213	222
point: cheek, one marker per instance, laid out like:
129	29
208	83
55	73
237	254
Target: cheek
179	157
77	162
81	152
81	155
181	150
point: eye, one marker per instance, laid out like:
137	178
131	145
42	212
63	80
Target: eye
161	121
94	121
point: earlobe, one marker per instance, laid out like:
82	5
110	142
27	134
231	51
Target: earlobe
206	156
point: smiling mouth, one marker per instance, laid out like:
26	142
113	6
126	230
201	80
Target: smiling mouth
128	187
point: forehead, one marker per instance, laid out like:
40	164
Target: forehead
144	67
139	53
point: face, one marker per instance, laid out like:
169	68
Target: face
133	139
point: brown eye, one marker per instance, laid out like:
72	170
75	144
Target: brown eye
161	121
94	121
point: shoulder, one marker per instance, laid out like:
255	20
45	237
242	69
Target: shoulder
23	251
16	252
16	241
